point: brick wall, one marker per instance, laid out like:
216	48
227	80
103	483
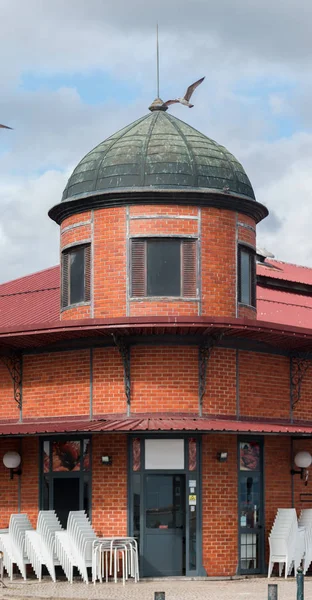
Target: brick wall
303	409
300	489
30	478
218	262
8	406
109	485
219	501
164	379
107	229
8	487
263	385
277	479
108	382
109	262
220	396
56	384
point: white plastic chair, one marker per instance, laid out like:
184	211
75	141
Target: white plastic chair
285	545
74	546
40	544
305	520
12	544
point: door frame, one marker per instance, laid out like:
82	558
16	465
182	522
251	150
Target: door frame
160	473
189	475
261	532
63	474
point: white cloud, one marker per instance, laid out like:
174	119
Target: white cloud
240	46
29	240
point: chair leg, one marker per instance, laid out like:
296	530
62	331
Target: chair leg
270	569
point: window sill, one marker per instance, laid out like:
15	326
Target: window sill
162	299
64	308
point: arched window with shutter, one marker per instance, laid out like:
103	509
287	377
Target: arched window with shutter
163	267
76	275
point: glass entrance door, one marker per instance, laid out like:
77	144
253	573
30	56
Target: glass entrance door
251	507
164	525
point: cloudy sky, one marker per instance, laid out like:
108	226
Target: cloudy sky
75	71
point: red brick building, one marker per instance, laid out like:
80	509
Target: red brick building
142	380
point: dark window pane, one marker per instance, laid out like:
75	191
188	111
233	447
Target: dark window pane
165	502
86	493
192	537
65	497
136	490
245	296
77	284
163	267
45	492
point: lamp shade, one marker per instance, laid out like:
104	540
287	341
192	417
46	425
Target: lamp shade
11	460
303	460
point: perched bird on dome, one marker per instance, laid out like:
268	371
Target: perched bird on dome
4	127
186	98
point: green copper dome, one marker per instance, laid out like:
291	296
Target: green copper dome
158	159
158	151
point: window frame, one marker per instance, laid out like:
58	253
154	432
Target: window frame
251	251
190	242
65	275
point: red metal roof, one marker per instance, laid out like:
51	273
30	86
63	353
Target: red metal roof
285	308
287	271
34	300
273	335
152	423
31	299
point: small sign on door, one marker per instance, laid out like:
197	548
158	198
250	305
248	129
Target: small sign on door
192	500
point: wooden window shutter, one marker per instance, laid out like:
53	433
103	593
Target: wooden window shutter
138	268
189	268
65	280
87	272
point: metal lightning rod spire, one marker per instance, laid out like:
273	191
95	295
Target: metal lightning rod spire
157	59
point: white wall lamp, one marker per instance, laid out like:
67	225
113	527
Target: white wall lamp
302	460
12	461
222	456
107	460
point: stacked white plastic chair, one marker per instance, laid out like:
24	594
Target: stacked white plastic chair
12	544
107	553
305	521
74	546
40	544
284	541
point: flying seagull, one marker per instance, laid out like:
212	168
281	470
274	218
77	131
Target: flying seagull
5	127
186	99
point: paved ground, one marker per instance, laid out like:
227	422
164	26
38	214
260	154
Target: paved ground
247	589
